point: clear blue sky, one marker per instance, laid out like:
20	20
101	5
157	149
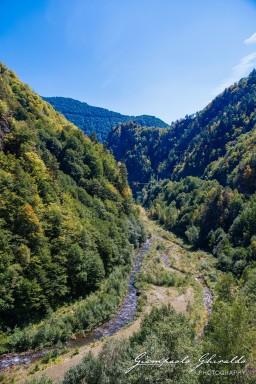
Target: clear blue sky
166	58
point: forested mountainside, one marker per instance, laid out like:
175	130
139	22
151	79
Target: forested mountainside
209	215
208	166
68	228
142	149
99	120
66	213
216	143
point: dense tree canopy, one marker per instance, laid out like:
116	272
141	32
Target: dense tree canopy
216	143
209	215
198	176
66	212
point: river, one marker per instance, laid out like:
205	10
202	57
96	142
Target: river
124	315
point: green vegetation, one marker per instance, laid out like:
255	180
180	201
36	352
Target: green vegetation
197	178
82	316
68	229
41	380
154	271
161	277
97	120
207	165
210	216
216	143
231	332
142	149
68	225
163	334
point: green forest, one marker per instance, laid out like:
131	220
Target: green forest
216	143
67	216
99	121
75	213
198	176
209	216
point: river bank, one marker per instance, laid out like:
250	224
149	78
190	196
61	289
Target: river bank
187	297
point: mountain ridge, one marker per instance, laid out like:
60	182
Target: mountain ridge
96	119
198	177
217	142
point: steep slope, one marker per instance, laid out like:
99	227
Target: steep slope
207	164
216	143
142	149
208	215
66	213
94	119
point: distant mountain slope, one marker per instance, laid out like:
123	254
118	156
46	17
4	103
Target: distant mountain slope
216	143
94	119
206	164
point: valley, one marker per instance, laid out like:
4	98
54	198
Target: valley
146	244
186	291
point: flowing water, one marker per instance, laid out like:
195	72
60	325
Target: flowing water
123	316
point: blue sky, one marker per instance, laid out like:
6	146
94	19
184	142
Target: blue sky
166	58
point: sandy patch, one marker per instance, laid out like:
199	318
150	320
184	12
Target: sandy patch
168	295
